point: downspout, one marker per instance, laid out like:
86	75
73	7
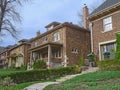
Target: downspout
91	33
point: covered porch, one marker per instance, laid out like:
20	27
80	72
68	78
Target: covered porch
51	53
15	60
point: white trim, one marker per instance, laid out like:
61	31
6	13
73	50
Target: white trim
106	42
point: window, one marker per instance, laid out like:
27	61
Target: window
57	53
107	24
56	37
107	48
74	50
36	44
45	39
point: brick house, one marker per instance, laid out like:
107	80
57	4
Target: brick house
105	23
61	45
4	56
18	54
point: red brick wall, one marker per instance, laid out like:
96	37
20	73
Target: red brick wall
77	39
100	36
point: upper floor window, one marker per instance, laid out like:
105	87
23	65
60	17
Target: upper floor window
56	37
36	44
45	39
107	24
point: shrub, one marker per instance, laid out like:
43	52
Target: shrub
108	65
39	64
117	54
23	67
7	81
44	74
81	61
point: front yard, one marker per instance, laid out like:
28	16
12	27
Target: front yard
107	80
17	80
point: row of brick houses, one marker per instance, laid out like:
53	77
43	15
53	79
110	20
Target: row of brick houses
64	43
61	45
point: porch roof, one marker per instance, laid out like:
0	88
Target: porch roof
41	46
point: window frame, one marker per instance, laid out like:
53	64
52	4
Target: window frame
56	36
107	24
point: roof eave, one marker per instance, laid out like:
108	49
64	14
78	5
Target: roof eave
104	10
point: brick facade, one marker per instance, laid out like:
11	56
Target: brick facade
71	37
98	34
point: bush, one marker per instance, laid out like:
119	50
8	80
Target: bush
109	65
117	54
81	61
39	64
37	75
23	67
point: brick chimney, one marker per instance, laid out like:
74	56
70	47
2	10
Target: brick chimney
85	15
38	33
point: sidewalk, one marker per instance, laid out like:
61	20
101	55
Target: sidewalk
40	86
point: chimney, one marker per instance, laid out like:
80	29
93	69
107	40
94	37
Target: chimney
85	15
38	33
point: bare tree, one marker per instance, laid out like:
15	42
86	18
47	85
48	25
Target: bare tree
9	15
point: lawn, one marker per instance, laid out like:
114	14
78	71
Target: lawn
107	80
20	86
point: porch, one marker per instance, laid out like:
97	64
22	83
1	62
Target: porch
51	53
15	60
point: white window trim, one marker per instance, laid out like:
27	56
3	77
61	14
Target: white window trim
75	50
58	37
101	43
107	24
45	40
58	55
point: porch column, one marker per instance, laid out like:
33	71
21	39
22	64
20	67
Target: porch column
49	56
31	58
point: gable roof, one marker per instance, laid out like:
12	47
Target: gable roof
105	5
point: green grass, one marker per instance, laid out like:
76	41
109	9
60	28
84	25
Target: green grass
107	80
19	86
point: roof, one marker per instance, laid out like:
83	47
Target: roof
105	5
41	46
67	24
53	23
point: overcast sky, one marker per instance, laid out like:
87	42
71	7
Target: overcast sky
38	13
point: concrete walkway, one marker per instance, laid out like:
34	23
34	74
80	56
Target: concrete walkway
40	86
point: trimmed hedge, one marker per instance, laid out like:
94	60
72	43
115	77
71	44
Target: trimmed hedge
35	75
117	54
109	65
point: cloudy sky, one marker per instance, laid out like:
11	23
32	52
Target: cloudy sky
38	13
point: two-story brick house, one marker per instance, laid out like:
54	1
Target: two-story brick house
105	23
4	56
61	44
18	55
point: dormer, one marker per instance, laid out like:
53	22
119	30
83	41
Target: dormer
23	41
52	25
